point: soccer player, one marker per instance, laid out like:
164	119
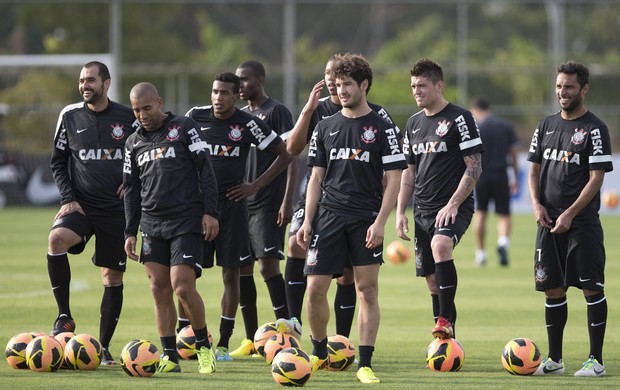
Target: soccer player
347	207
229	133
500	141
443	150
345	299
269	210
171	193
570	153
87	162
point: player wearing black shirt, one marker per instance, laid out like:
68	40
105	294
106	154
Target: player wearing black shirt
500	144
345	298
170	191
229	133
269	210
87	162
347	207
443	148
570	153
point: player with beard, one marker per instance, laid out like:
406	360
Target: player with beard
347	207
87	162
229	133
443	150
345	299
570	153
171	193
269	210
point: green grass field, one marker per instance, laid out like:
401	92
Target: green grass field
494	305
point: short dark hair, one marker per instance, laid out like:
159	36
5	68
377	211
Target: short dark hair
480	103
104	72
354	66
572	67
425	67
229	77
257	67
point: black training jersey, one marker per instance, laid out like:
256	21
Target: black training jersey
567	151
436	146
355	153
498	137
167	174
229	142
87	159
279	118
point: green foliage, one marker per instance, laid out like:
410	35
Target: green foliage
494	304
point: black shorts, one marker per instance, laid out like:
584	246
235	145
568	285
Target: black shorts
493	186
575	258
231	247
266	237
425	230
110	237
337	241
297	220
182	249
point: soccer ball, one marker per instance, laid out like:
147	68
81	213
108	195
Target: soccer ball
16	350
277	343
44	354
83	352
140	358
186	343
610	199
521	357
445	355
397	252
341	353
63	338
291	367
262	335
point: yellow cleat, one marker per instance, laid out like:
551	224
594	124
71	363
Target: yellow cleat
367	376
206	360
167	365
318	364
246	349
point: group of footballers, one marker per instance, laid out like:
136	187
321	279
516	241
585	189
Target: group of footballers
212	187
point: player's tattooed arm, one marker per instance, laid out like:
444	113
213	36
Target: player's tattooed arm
473	169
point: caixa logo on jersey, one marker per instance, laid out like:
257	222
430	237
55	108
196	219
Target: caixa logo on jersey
100	154
349	154
156	154
562	156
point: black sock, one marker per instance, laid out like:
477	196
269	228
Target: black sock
277	293
111	305
556	315
183	322
319	348
226	330
295	286
247	304
446	280
60	278
169	344
597	322
344	308
202	338
365	355
435	300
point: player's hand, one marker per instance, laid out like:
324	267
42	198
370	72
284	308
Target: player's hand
120	192
210	227
374	235
315	95
285	214
562	224
130	248
241	191
303	235
446	216
69	208
542	217
402	227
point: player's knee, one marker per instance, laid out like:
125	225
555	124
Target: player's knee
57	243
230	276
111	277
